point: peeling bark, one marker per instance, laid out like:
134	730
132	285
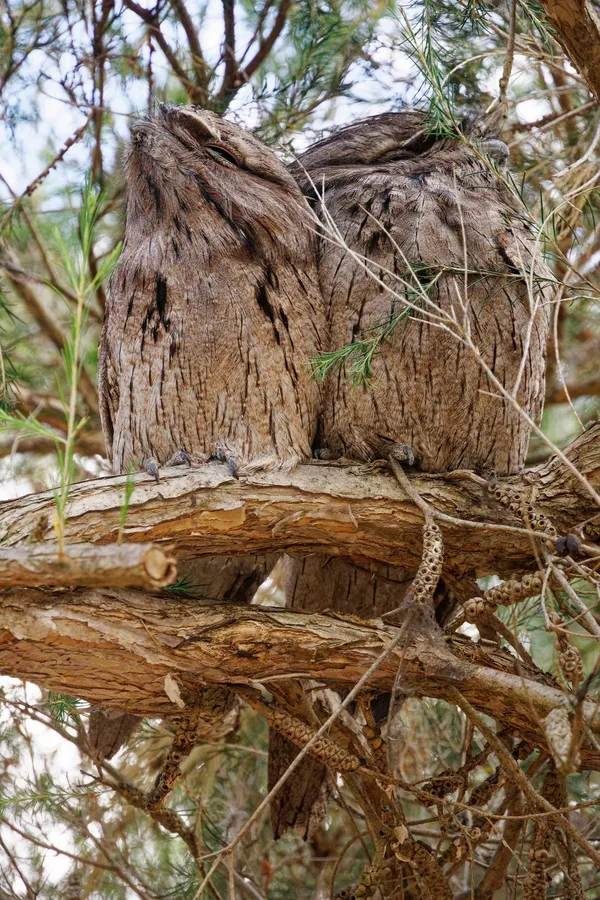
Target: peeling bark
116	648
328	510
577	29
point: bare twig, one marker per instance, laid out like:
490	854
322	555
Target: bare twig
31	187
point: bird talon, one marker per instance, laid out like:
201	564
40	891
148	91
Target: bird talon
150	466
225	457
181	458
402	453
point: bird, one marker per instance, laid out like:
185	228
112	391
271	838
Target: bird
428	229
418	231
213	314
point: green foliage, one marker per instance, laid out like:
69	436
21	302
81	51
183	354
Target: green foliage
186	586
45	801
124	508
75	258
427	53
325	51
62	707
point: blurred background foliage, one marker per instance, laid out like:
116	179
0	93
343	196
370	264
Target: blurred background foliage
73	73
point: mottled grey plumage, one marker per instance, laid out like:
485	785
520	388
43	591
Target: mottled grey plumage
301	803
213	313
400	196
109	729
400	199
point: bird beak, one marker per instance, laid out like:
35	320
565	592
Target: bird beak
496	150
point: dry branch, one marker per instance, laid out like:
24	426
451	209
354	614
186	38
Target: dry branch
335	511
87	565
116	648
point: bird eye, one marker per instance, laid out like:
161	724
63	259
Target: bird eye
225	154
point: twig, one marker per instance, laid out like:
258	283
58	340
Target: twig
196	93
75	137
302	753
191	32
266	45
521	779
229	76
509	57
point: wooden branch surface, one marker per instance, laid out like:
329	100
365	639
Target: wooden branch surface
328	510
577	29
116	565
116	648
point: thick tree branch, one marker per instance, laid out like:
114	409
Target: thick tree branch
577	29
117	565
327	510
116	648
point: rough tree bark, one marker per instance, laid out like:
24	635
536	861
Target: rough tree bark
125	650
116	565
576	27
324	509
145	654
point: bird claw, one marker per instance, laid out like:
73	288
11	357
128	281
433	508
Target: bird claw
150	466
402	453
225	457
181	458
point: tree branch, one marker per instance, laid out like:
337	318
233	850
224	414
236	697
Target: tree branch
116	648
230	74
196	93
82	565
198	60
266	45
577	30
559	393
334	511
87	444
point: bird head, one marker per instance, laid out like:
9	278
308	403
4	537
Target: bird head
187	161
391	138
